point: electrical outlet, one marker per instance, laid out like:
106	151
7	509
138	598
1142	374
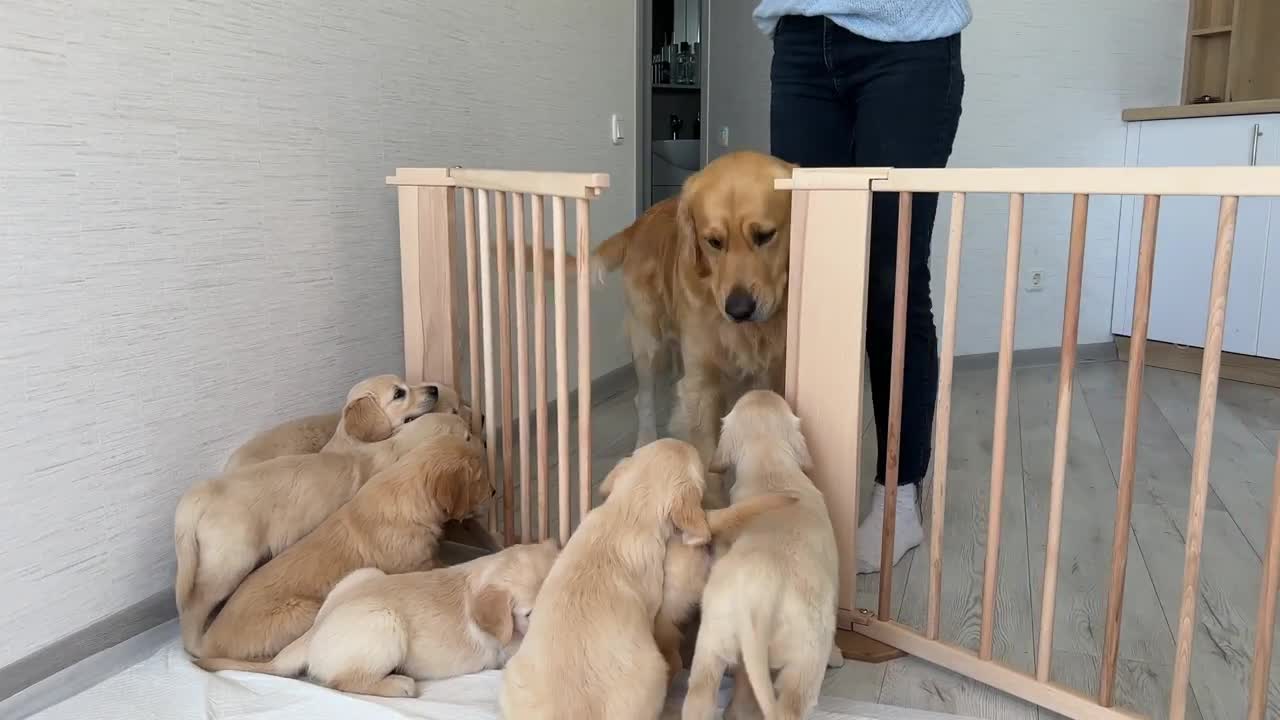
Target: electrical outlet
724	136
615	129
1034	281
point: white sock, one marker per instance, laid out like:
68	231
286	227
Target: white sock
907	530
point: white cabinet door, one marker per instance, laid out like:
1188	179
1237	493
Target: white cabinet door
1187	231
1269	317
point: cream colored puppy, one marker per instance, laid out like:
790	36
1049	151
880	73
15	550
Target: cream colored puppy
377	633
226	526
685	568
770	600
393	523
375	408
590	651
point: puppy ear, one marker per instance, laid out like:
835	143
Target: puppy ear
490	609
721	459
365	421
688	516
687	234
448	483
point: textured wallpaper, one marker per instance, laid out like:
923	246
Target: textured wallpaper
195	238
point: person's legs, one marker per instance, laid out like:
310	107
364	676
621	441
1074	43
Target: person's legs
811	124
906	99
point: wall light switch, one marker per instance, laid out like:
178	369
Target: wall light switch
724	136
616	128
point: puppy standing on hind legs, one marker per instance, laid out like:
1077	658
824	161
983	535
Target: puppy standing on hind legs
770	601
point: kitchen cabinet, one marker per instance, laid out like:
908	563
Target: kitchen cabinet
1187	231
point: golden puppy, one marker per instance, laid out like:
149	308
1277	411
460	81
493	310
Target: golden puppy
771	596
685	568
375	408
226	526
707	272
377	633
393	523
590	651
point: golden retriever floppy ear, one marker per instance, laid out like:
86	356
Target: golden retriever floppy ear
490	609
721	459
449	481
687	514
365	421
687	233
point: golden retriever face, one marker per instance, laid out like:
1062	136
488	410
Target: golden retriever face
735	232
760	418
665	476
379	406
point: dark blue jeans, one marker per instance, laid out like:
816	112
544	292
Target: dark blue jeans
840	99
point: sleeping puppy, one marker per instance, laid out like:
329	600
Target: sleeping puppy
770	600
226	526
377	633
685	569
375	408
707	274
590	651
393	523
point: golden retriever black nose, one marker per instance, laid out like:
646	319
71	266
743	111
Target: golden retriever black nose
433	391
740	305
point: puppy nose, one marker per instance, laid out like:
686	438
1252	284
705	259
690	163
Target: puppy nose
433	391
740	305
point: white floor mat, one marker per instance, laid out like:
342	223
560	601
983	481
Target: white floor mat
166	686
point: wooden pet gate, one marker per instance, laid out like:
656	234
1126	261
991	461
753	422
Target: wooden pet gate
831	211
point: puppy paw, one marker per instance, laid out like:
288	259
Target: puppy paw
398	686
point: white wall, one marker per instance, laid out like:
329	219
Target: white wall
737	84
1046	82
195	238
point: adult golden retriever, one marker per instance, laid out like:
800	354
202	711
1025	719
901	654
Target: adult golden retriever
707	272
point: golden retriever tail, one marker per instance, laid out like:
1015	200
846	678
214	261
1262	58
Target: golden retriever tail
609	255
726	523
289	662
193	610
755	659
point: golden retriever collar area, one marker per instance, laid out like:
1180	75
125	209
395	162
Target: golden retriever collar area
770	600
707	272
226	526
393	523
377	634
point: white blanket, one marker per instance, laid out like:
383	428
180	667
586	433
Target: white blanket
167	686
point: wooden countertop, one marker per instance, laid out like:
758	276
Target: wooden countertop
1172	112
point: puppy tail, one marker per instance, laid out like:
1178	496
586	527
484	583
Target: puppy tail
193	610
726	523
609	255
755	660
289	662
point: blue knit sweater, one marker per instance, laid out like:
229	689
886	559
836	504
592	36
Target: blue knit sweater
886	20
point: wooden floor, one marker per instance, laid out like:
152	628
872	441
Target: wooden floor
1248	421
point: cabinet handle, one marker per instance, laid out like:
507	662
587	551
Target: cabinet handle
1253	150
